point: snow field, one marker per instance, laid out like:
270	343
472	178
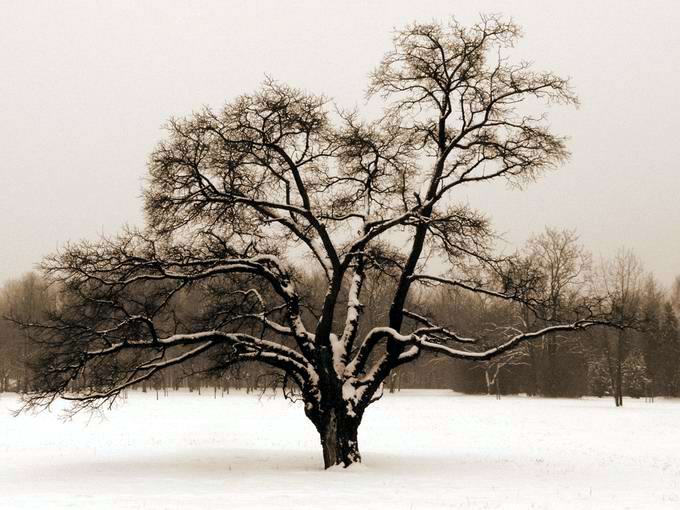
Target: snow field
421	449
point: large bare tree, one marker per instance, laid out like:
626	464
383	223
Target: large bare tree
246	202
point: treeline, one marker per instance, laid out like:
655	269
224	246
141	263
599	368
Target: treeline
641	359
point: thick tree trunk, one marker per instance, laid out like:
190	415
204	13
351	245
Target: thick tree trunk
339	439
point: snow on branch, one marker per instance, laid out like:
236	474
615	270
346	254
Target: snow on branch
426	344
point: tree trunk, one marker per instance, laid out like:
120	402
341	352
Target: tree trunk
612	369
487	379
551	376
619	383
533	369
619	372
339	439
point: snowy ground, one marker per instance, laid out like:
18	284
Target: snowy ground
421	449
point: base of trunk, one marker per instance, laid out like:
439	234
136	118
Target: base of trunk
339	441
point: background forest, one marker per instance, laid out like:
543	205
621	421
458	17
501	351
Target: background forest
640	361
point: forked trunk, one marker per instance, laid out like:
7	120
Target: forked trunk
339	439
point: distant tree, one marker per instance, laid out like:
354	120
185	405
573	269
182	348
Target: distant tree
651	345
634	374
669	355
10	350
27	299
599	380
622	279
675	294
494	368
234	198
564	268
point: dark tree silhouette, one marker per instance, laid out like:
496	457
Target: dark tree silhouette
235	197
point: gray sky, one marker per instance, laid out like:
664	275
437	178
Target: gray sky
85	87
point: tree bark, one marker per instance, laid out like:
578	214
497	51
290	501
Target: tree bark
339	443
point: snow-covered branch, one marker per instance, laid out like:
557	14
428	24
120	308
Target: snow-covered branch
426	344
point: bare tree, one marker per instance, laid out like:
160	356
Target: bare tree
494	367
564	267
235	196
622	279
25	298
675	294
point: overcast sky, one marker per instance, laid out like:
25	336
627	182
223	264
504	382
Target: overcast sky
86	86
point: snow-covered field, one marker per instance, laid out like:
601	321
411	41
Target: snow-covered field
421	449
